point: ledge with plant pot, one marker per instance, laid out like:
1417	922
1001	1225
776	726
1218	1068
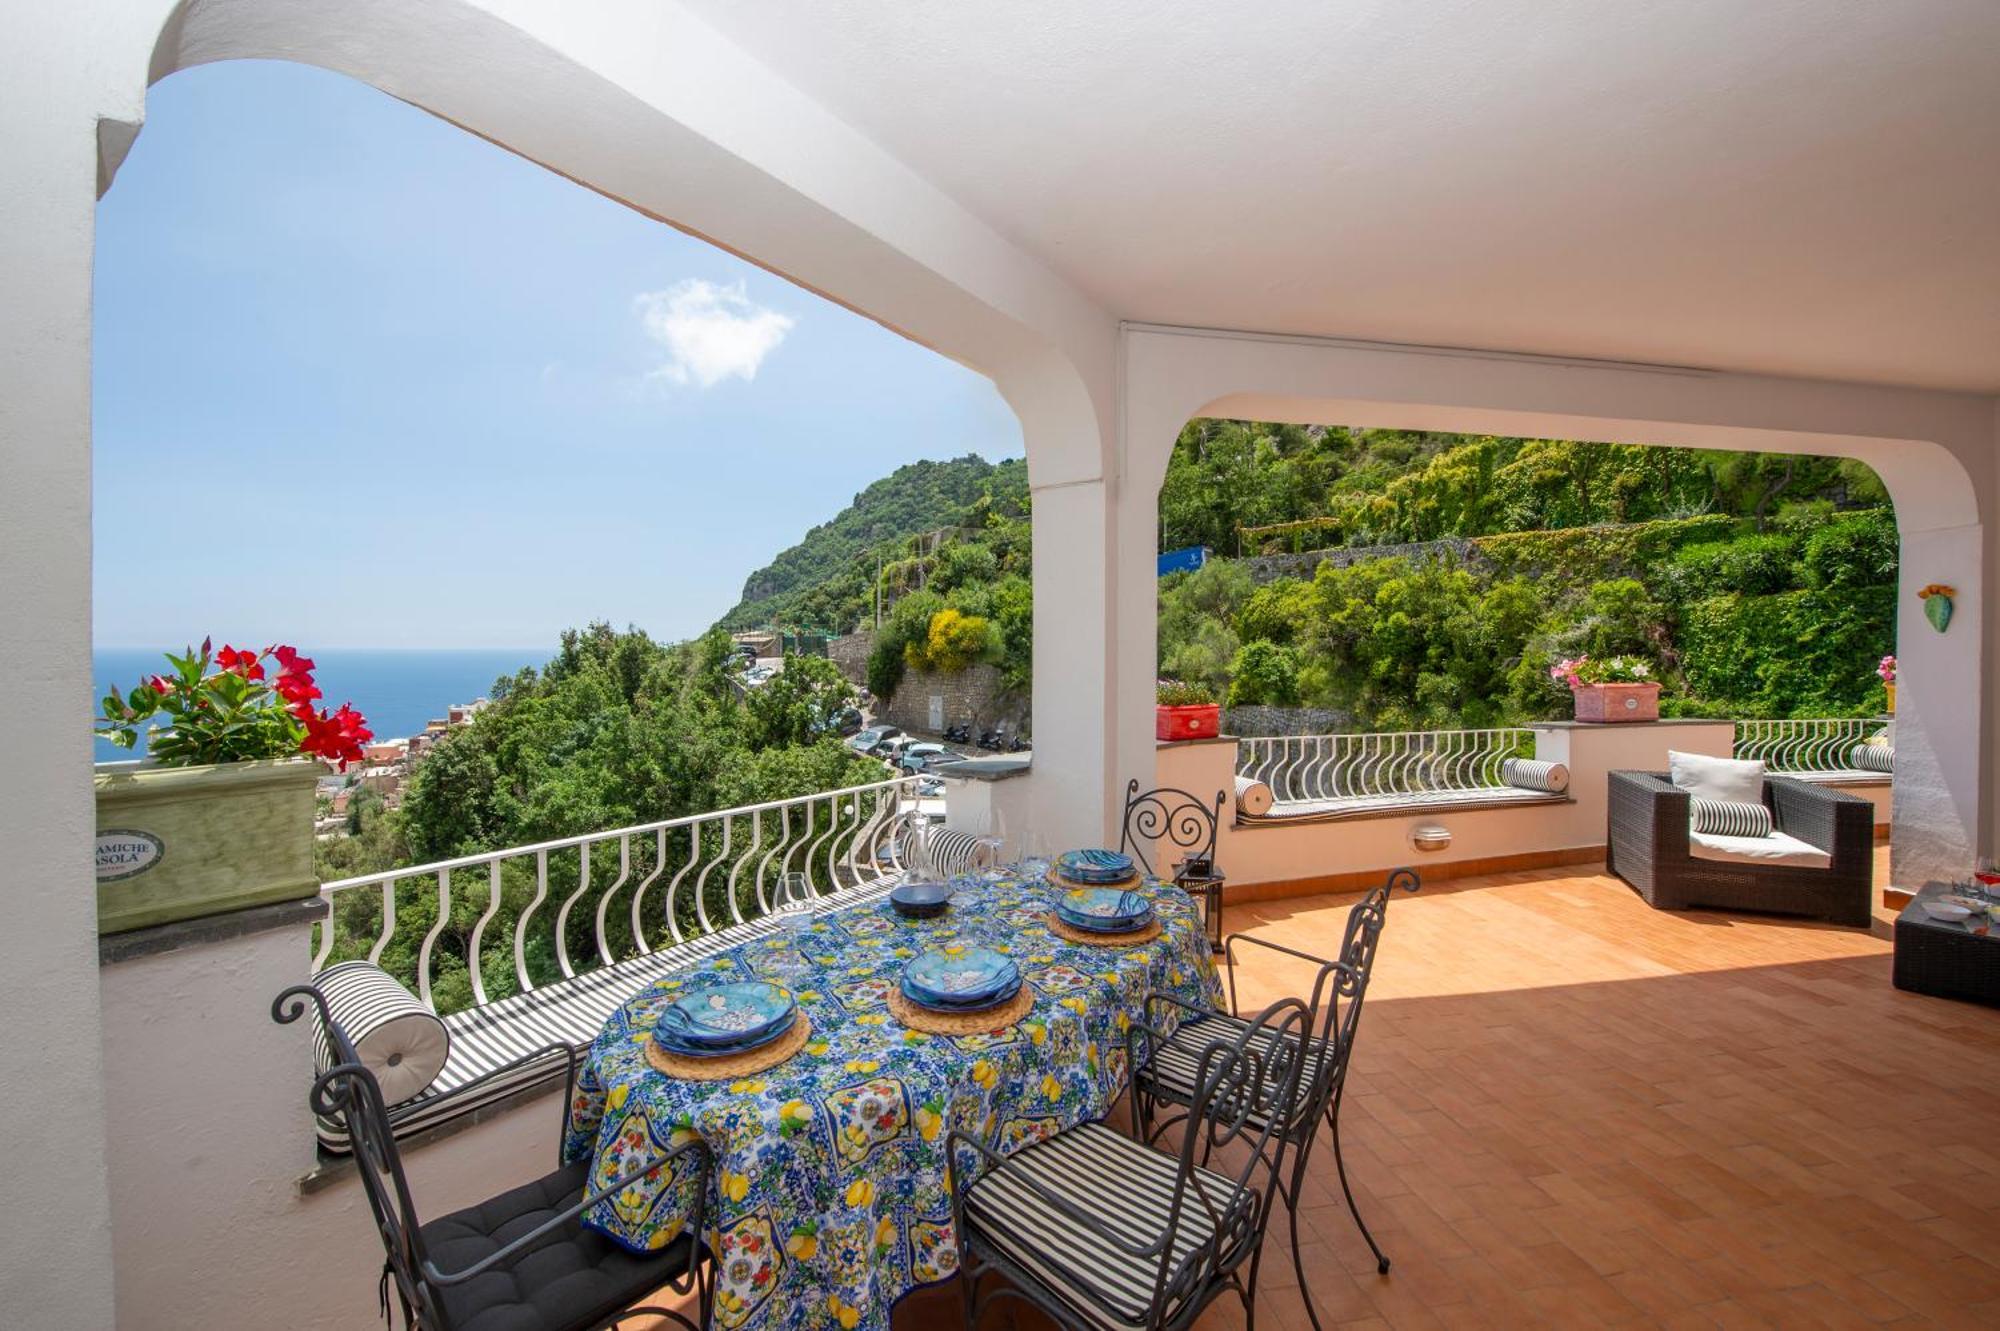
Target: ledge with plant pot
1610	690
219	816
1185	711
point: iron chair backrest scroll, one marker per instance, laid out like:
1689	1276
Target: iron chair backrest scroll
348	1090
1241	1090
1171	816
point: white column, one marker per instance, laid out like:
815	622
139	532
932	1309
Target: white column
1075	664
1938	809
55	1232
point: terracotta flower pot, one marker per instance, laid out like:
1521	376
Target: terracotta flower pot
176	843
1611	703
1201	721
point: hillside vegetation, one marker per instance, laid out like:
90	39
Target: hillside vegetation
1757	584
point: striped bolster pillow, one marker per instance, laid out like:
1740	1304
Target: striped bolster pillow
401	1041
1529	774
1729	817
1872	758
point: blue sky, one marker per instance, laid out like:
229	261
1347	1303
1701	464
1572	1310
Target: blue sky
364	380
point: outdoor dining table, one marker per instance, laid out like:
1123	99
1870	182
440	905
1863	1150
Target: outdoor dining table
830	1198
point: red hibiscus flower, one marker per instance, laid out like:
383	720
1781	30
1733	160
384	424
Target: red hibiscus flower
160	684
291	663
245	664
297	690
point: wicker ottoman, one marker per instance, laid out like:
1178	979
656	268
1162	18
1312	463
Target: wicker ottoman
1947	960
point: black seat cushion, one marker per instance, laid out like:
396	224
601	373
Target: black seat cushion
572	1278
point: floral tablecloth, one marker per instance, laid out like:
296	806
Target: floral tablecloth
830	1196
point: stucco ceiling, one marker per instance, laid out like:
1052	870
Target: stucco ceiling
1807	187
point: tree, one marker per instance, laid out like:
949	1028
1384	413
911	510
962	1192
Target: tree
798	705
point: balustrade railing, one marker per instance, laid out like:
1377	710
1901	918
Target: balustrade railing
1383	765
577	903
1822	744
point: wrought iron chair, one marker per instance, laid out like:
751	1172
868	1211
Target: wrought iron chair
520	1261
1172	816
1165	1070
1099	1231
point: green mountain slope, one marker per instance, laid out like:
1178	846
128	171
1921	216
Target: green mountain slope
825	582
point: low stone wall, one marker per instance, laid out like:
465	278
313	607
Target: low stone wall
973	696
850	652
1256	721
1269	568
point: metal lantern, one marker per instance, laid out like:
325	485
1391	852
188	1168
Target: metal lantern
1199	878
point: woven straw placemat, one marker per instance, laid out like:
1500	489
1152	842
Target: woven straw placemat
728	1067
962	1023
1131	938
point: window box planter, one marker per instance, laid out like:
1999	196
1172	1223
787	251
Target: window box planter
1200	721
1611	703
177	843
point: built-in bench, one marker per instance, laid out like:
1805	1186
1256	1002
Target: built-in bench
1390	806
1848	776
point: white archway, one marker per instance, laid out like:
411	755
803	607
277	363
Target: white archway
1934	452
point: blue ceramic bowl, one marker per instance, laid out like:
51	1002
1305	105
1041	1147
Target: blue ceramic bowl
920	900
726	1016
1095	866
1004	996
968	975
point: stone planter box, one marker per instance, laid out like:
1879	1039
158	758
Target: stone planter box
176	843
1612	703
1202	721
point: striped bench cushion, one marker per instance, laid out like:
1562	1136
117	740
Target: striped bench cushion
1123	1186
954	852
1529	774
1729	817
489	1044
1872	758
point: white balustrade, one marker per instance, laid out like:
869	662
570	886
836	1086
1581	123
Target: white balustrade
1819	744
722	864
1385	764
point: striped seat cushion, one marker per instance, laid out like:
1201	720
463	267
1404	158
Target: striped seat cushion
1729	818
491	1045
1172	1069
1528	774
1122	1185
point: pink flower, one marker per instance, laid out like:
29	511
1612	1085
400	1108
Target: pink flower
1887	670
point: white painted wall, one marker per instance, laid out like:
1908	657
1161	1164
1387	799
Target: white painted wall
1935	451
209	1136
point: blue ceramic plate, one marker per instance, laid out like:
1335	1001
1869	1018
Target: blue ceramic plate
685	1050
1094	866
1005	995
1110	910
920	899
726	1016
967	975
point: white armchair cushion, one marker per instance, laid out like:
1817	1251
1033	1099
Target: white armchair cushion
1773	850
1738	780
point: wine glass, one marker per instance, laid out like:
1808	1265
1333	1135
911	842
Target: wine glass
795	908
1036	857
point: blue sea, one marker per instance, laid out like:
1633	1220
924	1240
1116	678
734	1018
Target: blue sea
398	690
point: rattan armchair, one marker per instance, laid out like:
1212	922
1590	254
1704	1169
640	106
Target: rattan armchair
1647	846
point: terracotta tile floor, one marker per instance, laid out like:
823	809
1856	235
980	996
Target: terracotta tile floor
1568	1110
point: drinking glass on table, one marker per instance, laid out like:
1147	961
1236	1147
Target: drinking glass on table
795	909
1036	857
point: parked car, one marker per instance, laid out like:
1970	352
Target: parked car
873	739
930	787
917	757
847	721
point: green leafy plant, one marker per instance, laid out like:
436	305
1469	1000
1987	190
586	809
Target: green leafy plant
235	712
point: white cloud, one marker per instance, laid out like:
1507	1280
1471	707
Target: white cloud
710	331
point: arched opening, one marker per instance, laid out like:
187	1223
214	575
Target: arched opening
1175	375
